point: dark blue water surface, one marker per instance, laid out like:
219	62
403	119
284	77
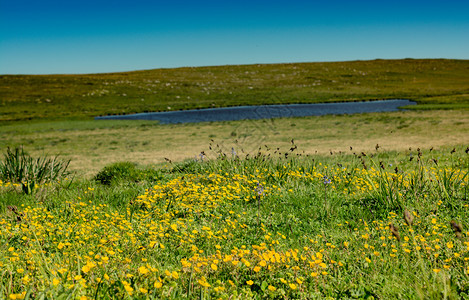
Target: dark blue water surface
264	111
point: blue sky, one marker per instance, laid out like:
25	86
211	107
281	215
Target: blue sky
90	36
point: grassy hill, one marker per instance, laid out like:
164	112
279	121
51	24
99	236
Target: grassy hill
433	83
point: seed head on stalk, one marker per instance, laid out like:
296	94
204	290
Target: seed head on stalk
395	231
408	217
457	228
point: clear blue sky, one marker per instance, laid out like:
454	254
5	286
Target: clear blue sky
89	36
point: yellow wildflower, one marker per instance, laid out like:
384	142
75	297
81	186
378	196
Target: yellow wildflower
143	270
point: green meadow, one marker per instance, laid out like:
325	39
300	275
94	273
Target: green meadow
435	84
53	114
366	206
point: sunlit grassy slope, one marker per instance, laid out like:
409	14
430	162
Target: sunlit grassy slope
435	84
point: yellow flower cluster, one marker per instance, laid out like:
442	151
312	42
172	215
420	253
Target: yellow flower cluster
199	234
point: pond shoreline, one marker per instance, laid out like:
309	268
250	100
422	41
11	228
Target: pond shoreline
256	112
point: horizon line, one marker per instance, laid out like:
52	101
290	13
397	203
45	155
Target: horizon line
223	65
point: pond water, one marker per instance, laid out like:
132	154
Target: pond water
264	111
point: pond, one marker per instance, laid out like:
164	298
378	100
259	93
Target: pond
264	111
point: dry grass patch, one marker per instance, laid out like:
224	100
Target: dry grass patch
94	144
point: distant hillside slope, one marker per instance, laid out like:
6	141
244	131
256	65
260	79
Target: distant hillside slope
435	83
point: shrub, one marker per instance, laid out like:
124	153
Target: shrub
125	171
19	167
115	171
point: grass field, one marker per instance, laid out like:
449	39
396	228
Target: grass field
368	206
93	144
435	84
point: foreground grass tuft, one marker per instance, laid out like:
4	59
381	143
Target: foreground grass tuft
18	167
